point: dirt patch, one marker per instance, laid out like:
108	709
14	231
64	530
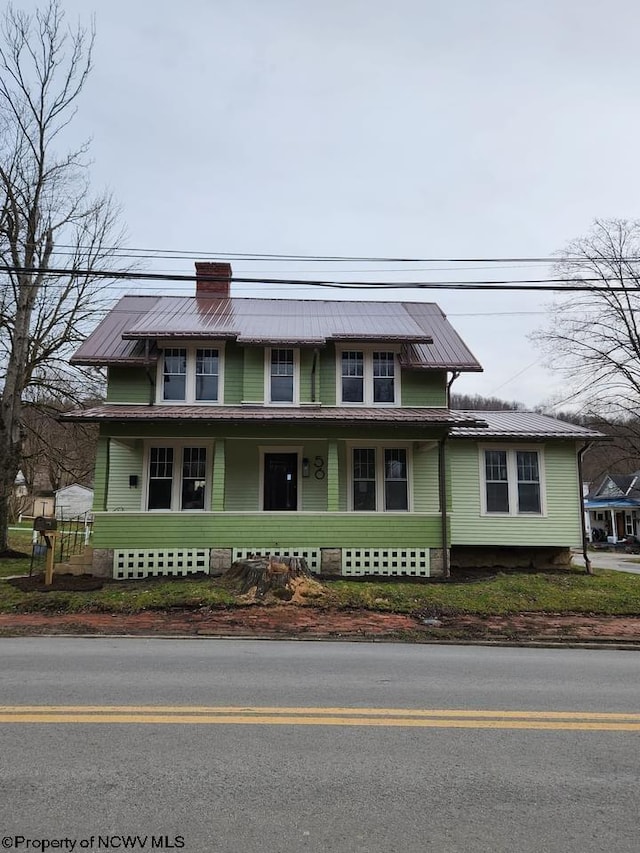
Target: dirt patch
67	583
318	623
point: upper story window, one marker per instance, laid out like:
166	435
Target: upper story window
512	481
368	377
281	375
190	375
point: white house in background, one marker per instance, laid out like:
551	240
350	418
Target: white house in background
72	501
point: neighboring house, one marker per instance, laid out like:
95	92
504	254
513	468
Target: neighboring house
614	507
320	428
73	501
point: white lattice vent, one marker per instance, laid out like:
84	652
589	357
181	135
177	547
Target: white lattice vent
385	561
174	562
311	555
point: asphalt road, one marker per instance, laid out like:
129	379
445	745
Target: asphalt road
407	748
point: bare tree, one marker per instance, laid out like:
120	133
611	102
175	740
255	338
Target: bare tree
48	220
593	337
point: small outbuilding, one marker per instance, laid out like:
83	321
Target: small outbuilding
72	501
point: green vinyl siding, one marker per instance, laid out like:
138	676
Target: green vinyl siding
130	384
100	475
268	530
233	374
125	460
253	382
424	387
306	366
426	495
242	467
327	376
560	526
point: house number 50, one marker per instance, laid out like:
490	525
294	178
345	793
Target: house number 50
318	464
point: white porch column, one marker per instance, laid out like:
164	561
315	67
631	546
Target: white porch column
614	531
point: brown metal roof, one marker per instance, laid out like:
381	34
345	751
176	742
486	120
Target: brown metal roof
429	339
281	414
509	424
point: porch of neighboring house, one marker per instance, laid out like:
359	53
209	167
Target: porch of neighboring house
612	521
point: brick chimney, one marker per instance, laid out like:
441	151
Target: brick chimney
220	286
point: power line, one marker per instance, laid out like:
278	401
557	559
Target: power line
541	285
181	254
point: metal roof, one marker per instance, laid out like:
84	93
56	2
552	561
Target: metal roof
510	424
281	414
428	339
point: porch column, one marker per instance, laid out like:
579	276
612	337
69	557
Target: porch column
614	530
217	495
333	477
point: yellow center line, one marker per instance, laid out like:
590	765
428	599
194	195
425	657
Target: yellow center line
318	716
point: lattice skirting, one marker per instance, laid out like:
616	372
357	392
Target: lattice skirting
170	562
311	555
386	561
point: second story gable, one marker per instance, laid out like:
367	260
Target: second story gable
215	350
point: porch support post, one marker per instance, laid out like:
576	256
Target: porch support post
614	529
217	496
442	482
333	477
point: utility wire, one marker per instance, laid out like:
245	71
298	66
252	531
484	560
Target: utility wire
181	254
541	285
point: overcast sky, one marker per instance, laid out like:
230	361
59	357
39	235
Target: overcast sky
465	128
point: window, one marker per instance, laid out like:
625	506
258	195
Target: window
190	375
379	479
367	377
207	374
175	374
282	374
512	481
177	477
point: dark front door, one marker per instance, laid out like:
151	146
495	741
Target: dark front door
280	481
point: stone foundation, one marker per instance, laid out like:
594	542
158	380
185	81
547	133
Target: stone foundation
220	560
102	563
331	561
436	567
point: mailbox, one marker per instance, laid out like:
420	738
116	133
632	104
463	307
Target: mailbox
42	524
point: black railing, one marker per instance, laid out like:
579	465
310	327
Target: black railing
72	535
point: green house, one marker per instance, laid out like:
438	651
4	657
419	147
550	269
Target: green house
312	428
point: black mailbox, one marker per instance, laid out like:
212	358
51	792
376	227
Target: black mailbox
42	523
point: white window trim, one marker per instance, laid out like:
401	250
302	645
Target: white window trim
176	486
267	377
380	447
367	350
190	390
512	480
277	448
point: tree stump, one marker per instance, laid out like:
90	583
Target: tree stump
283	578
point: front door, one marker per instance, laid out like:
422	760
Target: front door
281	481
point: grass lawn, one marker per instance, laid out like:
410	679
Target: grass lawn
569	591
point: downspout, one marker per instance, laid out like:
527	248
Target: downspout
455	375
152	384
587	561
314	364
442	482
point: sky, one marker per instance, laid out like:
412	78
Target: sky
413	129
